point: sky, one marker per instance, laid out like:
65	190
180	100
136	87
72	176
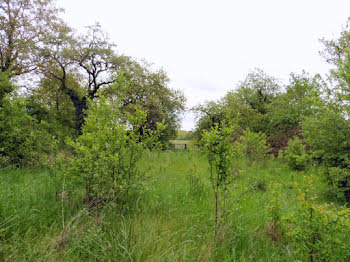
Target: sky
208	46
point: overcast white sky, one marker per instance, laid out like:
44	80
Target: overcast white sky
208	46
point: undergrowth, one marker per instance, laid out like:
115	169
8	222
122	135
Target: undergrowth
172	220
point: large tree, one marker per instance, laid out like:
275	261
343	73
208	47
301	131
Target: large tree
150	91
89	59
24	24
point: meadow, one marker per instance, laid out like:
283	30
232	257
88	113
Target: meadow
172	220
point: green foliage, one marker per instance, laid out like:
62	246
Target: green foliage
165	214
184	135
195	182
48	103
295	154
6	86
208	114
253	145
24	25
258	90
274	209
248	103
23	140
217	146
290	108
316	229
337	53
107	152
150	91
328	134
338	180
57	166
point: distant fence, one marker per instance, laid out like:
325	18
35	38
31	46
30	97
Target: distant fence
185	146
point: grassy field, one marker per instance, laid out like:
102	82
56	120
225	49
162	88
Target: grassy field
180	142
173	220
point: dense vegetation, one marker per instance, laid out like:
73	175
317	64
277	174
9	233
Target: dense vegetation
87	174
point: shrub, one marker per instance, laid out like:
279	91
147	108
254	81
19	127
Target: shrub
107	152
253	145
328	134
23	140
295	154
339	181
316	229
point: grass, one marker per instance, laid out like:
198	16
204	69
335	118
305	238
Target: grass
180	142
171	221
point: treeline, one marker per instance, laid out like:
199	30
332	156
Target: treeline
50	73
305	122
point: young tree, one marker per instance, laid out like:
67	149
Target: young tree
217	146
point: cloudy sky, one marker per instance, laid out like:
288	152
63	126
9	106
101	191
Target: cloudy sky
208	46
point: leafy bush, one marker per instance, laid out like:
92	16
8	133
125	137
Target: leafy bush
316	229
339	181
107	152
23	140
295	154
253	145
328	134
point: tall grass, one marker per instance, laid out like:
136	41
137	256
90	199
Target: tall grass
173	220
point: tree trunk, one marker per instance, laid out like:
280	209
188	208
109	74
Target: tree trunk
80	105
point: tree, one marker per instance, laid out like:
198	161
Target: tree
82	65
24	24
303	97
248	103
149	89
50	104
217	146
337	53
208	115
257	90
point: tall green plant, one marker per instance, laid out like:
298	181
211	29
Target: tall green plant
253	145
295	154
108	150
219	151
